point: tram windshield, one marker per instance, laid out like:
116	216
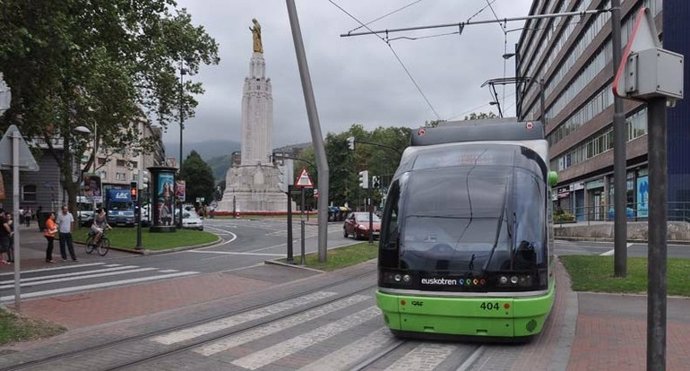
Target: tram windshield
479	216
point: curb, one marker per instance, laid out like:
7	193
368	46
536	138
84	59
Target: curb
609	239
276	262
145	251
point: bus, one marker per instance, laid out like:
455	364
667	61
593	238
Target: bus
465	248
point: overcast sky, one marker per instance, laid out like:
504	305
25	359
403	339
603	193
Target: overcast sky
355	79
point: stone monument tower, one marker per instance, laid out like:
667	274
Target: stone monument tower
253	186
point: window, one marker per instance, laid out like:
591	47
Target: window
104	175
29	193
101	161
120	176
121	163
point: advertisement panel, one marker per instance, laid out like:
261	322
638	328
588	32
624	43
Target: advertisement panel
165	198
180	190
92	188
643	196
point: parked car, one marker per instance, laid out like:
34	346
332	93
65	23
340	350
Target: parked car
357	225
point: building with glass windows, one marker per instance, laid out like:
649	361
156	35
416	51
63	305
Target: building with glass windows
570	58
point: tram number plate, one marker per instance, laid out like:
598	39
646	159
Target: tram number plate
488	305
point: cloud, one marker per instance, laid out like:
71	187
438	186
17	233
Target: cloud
355	79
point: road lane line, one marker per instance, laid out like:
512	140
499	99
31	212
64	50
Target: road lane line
46	282
423	357
272	328
232	253
348	356
39	278
227	322
97	285
611	252
283	349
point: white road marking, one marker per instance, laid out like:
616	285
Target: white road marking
49	281
232	253
344	358
283	349
97	285
112	265
39	278
611	252
224	323
168	270
423	357
53	268
272	328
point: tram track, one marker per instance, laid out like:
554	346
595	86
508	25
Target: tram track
90	350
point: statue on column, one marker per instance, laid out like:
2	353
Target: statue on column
256	33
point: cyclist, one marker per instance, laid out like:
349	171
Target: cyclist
99	225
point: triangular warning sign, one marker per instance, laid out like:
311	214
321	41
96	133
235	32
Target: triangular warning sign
26	161
303	180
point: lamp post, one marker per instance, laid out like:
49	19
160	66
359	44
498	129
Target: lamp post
179	171
84	130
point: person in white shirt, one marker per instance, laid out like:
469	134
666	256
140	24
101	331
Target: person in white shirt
65	220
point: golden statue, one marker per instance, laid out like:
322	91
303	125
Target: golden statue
256	33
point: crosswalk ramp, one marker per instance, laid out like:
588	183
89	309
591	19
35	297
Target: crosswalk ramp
80	277
336	335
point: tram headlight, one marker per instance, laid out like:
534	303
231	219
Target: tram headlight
406	278
397	278
514	280
503	280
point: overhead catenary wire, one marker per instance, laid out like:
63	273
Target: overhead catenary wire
386	15
397	57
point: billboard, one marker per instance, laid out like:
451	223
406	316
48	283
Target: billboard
643	196
92	188
180	190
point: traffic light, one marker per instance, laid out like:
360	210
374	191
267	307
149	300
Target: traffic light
364	179
133	190
375	182
351	143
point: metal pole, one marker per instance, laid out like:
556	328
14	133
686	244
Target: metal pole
139	177
234	207
15	212
302	259
179	171
371	216
656	270
290	258
620	136
315	126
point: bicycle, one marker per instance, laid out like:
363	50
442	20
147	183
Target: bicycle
102	246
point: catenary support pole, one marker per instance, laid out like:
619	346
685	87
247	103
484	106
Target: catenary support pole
371	215
620	136
656	267
315	127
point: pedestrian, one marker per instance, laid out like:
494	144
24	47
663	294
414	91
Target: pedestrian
10	250
27	217
38	216
65	221
5	234
49	232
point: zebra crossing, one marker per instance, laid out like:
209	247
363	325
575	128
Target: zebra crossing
80	277
336	335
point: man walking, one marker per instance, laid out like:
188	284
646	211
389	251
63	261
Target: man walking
65	221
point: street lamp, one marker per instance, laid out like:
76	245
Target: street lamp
5	95
183	72
86	131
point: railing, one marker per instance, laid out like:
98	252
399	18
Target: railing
677	211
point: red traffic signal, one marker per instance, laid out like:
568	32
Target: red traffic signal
133	190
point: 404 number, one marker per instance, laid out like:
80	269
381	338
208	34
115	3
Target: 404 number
487	305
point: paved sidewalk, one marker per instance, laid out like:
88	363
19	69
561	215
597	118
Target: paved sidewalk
609	330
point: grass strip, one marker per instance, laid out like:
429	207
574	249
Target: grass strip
14	328
342	257
595	273
127	238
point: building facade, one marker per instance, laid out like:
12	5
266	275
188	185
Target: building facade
570	58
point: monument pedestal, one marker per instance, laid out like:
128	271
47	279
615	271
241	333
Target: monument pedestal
253	189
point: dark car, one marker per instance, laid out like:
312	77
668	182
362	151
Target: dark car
357	225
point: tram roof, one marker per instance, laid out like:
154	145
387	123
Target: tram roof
496	129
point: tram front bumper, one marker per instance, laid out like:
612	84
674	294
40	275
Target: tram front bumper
466	316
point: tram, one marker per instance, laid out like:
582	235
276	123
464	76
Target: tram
465	247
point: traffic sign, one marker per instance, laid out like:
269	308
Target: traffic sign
26	160
303	180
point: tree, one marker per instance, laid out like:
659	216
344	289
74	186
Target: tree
103	65
480	116
198	178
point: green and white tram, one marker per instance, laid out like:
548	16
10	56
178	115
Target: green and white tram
466	237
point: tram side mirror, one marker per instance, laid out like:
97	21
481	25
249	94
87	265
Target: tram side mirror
553	178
